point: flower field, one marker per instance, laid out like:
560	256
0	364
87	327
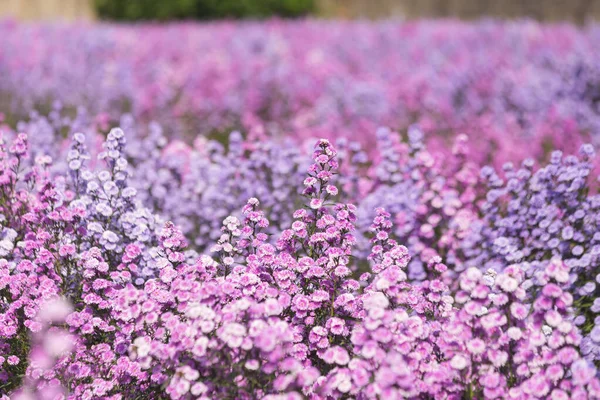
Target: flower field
299	210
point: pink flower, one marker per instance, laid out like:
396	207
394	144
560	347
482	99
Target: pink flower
519	311
316	204
553	318
331	190
476	346
301	302
13	360
582	372
336	325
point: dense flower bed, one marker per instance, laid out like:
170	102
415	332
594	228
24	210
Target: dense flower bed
381	263
535	88
103	299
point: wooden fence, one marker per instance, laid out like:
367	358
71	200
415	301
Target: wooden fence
48	9
577	11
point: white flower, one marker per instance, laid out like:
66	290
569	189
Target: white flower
459	362
6	247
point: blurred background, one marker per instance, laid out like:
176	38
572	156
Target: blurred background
578	11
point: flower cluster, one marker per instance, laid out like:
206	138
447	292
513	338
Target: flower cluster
516	344
531	217
100	299
432	200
